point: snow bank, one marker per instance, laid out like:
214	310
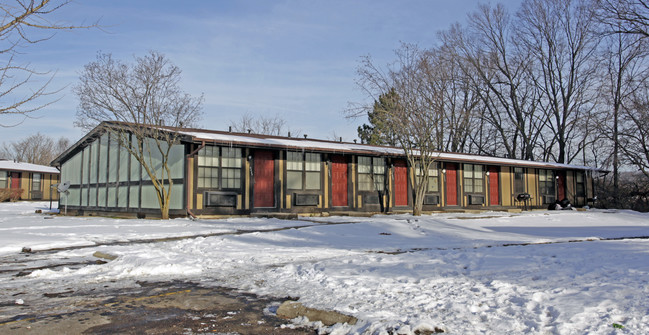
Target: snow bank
563	272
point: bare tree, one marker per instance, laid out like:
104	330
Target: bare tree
265	125
451	93
634	134
500	71
559	34
24	23
409	115
36	149
144	101
625	73
625	16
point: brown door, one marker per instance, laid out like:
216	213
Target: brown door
561	185
400	183
15	180
494	198
264	177
451	184
338	181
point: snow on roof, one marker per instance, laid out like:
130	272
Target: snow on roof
14	166
279	142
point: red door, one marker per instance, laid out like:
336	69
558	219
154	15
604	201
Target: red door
451	184
493	186
264	177
15	180
338	181
400	183
561	185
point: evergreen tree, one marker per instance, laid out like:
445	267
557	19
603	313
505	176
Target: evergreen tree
378	132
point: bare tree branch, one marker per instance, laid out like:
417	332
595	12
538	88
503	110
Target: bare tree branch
143	104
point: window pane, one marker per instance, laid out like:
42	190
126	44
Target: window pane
312	162
378	182
468	171
468	185
364	182
364	165
294	180
379	165
433	184
294	161
477	171
134	197
3	179
36	182
313	180
477	185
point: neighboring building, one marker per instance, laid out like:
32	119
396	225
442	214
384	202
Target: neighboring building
34	180
224	173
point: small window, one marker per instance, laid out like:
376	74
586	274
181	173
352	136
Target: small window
3	179
371	173
231	168
303	171
433	177
208	171
36	182
581	184
519	180
294	168
473	178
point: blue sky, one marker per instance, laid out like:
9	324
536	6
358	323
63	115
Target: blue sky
297	59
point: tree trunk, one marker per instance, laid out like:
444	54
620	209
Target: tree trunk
164	211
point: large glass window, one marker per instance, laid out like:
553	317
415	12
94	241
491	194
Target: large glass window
3	179
473	178
519	180
303	169
546	182
36	182
581	184
219	167
371	173
433	177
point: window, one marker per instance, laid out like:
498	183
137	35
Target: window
371	173
519	180
581	185
546	182
228	163
302	169
36	182
473	180
3	179
231	167
433	177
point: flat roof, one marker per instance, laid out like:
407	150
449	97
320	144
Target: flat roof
28	167
354	148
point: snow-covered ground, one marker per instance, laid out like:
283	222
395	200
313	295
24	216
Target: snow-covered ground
540	272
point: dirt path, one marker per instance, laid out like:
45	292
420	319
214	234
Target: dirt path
151	308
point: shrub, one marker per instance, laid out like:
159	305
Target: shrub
10	194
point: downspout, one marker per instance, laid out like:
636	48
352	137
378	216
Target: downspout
189	186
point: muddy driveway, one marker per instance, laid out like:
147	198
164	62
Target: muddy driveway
150	308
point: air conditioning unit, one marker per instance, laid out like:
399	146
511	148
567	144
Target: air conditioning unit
476	199
549	199
220	199
430	199
306	199
371	199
